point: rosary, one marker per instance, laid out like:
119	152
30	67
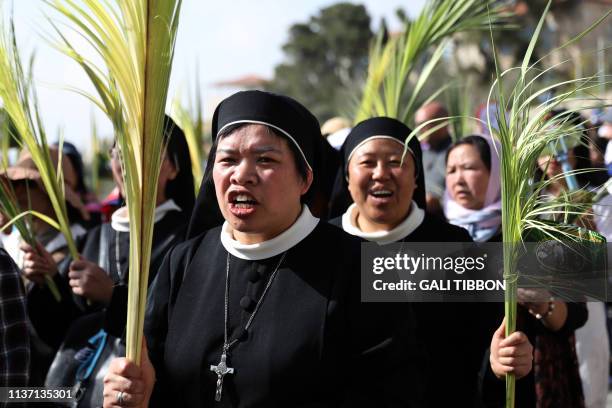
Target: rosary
222	369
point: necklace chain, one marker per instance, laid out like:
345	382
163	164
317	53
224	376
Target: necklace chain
227	345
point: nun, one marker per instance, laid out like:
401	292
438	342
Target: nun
383	177
261	306
98	279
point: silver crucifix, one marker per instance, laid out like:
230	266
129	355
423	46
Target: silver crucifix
221	370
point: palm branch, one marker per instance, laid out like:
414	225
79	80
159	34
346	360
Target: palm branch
21	106
190	120
135	41
525	129
392	64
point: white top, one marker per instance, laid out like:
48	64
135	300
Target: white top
608	153
405	228
300	229
12	242
602	215
120	220
337	138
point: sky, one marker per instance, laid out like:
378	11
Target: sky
225	39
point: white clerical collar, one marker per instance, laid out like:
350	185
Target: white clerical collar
300	229
120	220
405	228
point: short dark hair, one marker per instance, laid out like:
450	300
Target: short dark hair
479	143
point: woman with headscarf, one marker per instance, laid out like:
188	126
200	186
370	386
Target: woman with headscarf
385	180
261	307
473	201
473	187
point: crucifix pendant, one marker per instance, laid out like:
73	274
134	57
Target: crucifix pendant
221	370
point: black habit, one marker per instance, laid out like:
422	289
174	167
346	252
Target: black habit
312	343
454	336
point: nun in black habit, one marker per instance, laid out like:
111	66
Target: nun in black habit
384	179
263	310
98	280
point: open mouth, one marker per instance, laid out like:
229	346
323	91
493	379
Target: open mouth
243	201
381	193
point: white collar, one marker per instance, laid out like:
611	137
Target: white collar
120	220
289	238
398	233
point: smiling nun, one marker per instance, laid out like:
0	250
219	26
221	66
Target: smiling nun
388	193
264	309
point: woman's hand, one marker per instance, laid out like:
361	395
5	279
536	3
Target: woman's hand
90	281
37	263
127	385
512	354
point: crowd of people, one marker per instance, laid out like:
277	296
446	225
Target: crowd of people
254	286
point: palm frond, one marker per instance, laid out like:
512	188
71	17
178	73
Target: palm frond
21	105
526	130
190	120
392	64
459	106
135	40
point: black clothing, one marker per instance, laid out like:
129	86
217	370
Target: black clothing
312	342
327	163
110	250
455	335
492	389
180	189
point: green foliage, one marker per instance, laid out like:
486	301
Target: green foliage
460	107
526	128
21	105
325	58
391	65
191	120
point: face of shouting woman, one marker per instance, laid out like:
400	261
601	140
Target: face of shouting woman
257	183
381	184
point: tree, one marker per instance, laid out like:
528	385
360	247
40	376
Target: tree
326	57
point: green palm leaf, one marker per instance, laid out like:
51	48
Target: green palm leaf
21	106
525	130
392	64
190	120
135	40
